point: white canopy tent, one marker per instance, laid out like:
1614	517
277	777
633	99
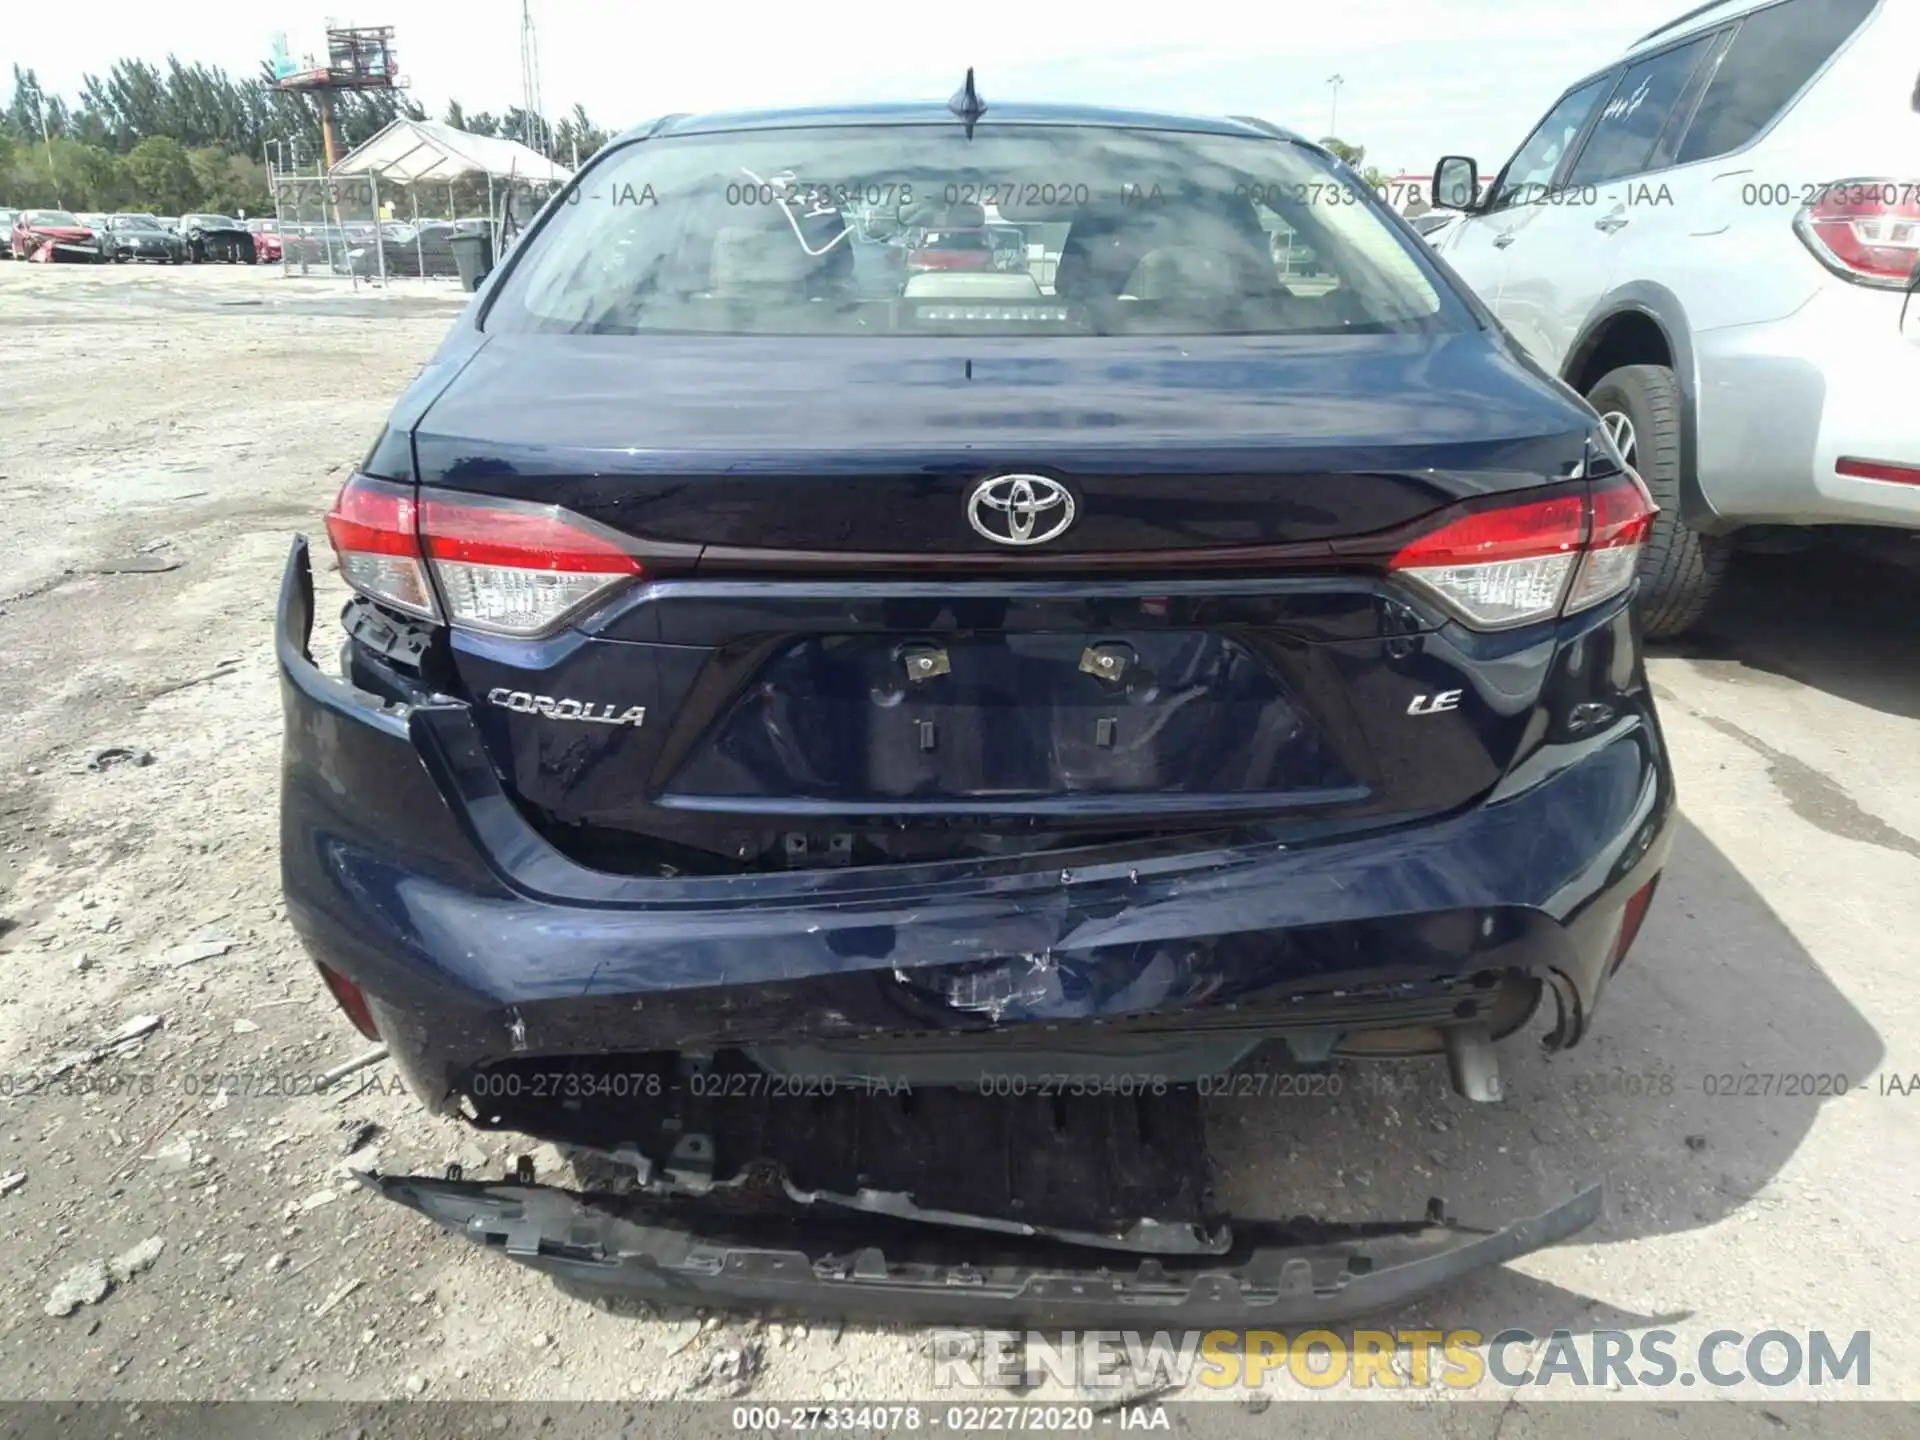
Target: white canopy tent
414	152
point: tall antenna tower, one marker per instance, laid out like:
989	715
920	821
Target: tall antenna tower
534	126
358	58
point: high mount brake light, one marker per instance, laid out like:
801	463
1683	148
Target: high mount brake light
1518	564
1866	231
503	567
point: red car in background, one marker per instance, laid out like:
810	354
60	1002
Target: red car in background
47	236
972	247
267	245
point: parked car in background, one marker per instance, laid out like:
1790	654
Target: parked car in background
411	250
1714	239
962	238
48	236
268	245
757	686
136	236
317	244
6	226
216	237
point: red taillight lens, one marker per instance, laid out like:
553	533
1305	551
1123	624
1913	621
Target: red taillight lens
351	999
1865	230
1622	519
1521	563
1877	470
1632	916
373	529
514	569
1498	568
503	566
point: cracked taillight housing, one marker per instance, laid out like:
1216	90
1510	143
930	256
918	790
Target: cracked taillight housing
1510	565
501	567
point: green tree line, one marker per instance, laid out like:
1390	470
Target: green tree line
179	137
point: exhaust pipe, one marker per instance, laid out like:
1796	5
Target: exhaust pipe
1471	1062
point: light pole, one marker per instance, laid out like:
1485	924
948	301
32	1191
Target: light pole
1333	110
53	170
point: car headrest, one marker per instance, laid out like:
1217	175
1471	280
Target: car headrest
747	257
1181	271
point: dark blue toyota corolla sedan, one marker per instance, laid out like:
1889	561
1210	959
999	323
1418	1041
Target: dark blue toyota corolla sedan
897	652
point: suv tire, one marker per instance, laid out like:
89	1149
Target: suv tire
1680	568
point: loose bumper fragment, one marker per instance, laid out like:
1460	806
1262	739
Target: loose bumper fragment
1279	1272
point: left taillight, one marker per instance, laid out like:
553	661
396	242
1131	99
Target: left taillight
1517	564
502	567
375	533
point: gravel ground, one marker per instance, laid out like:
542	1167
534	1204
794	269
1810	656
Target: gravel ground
162	433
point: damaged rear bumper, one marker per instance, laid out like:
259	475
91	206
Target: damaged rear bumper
410	871
1279	1273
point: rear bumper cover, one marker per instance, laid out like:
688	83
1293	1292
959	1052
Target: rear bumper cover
1783	402
407	869
1280	1273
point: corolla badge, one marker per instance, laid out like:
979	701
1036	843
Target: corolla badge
1020	509
565	709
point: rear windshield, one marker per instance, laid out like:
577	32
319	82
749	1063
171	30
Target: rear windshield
1020	230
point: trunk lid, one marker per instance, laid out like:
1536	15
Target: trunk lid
869	447
836	666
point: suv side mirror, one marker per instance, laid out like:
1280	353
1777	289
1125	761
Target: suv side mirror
1456	183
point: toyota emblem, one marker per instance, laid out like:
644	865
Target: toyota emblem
1020	509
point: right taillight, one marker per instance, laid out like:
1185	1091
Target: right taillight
1518	564
1622	519
1866	231
504	567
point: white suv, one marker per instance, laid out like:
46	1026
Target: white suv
1715	240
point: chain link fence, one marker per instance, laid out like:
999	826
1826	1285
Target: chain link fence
320	222
362	228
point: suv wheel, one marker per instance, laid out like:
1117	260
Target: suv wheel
1680	568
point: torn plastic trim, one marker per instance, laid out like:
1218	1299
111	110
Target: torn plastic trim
294	636
1281	1272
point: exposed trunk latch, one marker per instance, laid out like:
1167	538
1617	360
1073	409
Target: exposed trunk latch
924	662
1106	662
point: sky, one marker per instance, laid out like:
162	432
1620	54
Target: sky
1420	77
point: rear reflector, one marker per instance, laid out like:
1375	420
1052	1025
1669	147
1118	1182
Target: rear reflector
1867	231
1522	563
351	1000
502	566
1632	916
1878	470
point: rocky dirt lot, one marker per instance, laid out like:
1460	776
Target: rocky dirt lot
162	434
